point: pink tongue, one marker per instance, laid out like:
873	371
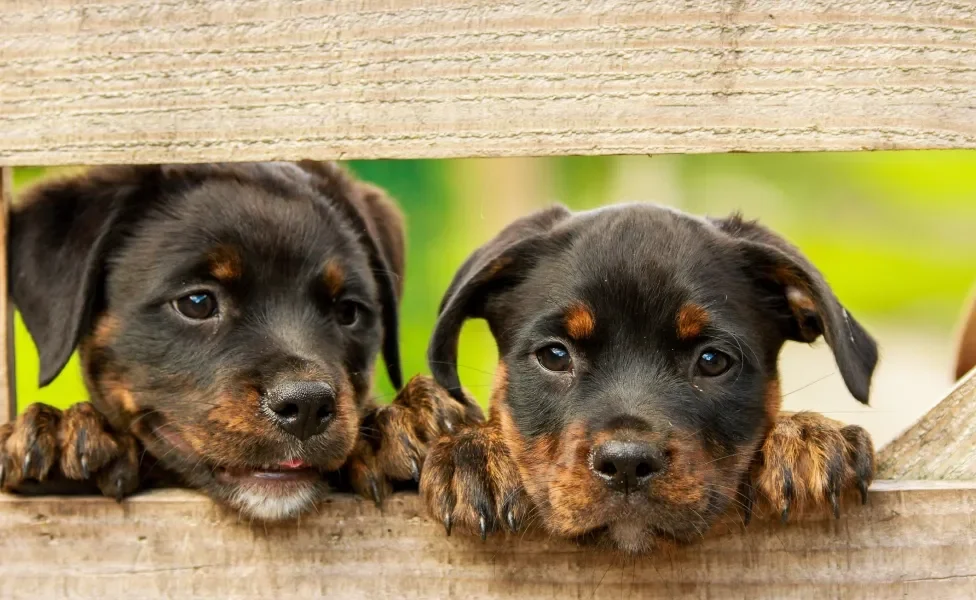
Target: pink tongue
291	464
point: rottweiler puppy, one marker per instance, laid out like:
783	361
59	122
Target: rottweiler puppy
637	395
228	318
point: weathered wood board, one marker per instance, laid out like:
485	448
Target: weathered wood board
200	80
913	540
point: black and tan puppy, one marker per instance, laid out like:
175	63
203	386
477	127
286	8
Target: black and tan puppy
228	319
637	395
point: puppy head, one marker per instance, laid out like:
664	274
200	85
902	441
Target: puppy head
639	348
228	315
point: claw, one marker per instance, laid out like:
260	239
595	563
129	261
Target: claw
375	491
787	494
510	519
834	493
750	499
119	494
863	487
28	459
80	449
84	468
414	469
3	473
483	523
447	523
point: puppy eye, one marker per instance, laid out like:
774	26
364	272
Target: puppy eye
712	363
555	358
197	306
347	313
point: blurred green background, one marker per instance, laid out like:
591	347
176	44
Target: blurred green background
894	232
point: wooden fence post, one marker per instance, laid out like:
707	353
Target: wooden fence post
941	445
8	388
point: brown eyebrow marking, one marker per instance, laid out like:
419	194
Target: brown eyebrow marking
334	277
117	390
106	328
225	263
692	318
579	321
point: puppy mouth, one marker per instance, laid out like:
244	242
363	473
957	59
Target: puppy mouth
280	485
643	525
270	492
641	538
279	474
288	471
643	522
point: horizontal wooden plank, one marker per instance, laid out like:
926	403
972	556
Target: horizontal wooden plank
914	539
111	81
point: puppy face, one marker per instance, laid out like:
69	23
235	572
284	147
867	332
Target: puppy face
229	316
639	349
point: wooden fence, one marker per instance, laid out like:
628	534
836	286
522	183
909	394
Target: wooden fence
123	81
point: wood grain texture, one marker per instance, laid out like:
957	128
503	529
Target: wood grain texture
118	81
941	445
8	395
912	540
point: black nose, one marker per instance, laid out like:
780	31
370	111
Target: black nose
626	466
302	408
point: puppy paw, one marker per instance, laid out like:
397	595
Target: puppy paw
471	481
394	439
808	460
77	444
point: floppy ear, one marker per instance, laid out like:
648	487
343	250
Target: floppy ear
497	265
385	226
59	237
377	217
803	304
388	231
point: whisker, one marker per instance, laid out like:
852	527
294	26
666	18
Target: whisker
699	531
733	497
462	366
734	454
815	381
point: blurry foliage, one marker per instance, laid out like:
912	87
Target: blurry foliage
894	232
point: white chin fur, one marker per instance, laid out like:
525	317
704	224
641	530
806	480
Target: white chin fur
630	537
273	507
